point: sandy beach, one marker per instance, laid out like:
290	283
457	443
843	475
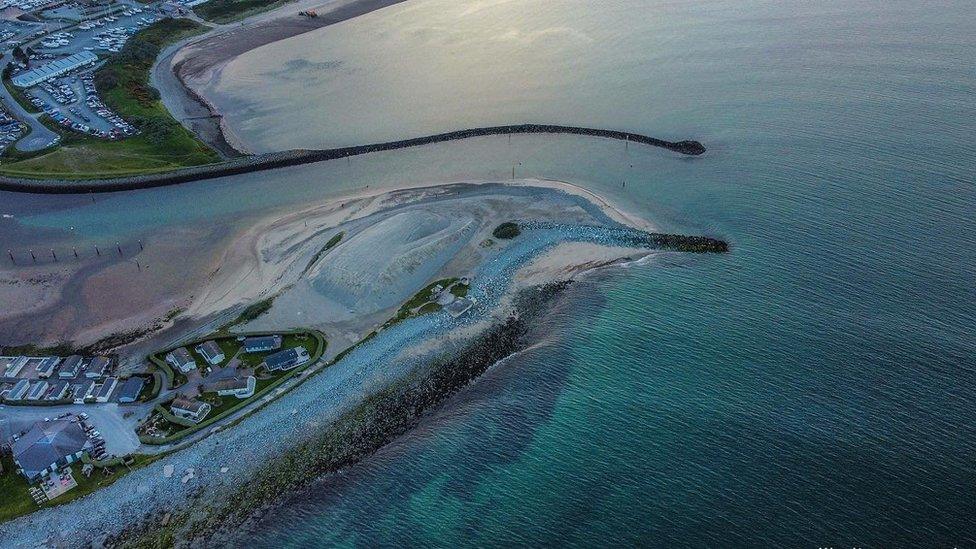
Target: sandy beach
183	70
393	243
197	272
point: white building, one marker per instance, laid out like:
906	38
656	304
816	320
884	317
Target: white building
19	390
210	352
105	391
54	69
37	390
240	387
181	360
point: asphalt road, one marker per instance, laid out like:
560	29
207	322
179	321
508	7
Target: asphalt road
39	136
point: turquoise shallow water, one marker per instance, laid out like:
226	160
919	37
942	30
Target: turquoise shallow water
815	387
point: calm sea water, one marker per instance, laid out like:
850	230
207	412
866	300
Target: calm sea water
815	387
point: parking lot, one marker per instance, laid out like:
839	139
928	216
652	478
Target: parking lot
73	102
114	424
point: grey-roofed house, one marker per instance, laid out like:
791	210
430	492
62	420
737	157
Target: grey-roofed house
241	387
286	360
37	390
14	365
81	390
47	446
59	389
130	389
106	389
46	368
19	390
181	359
258	344
100	366
193	410
70	367
210	352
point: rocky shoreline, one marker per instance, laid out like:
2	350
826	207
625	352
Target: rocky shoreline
380	419
270	161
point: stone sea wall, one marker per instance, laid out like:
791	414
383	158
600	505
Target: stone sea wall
356	435
270	161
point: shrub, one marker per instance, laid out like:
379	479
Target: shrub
506	230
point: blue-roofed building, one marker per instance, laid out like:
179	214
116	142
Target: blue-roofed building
130	389
286	360
47	446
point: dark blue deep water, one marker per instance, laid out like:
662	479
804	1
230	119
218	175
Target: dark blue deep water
815	387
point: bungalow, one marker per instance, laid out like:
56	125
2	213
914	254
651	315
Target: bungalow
46	368
14	364
70	367
210	352
37	391
58	390
241	387
82	390
131	389
105	391
47	446
257	344
181	359
101	366
19	390
194	410
286	360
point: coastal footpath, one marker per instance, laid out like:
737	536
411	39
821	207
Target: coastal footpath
271	161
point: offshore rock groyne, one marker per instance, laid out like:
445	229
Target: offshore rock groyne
271	161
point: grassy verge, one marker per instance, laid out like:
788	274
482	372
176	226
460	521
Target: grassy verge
421	299
251	312
15	499
225	11
123	84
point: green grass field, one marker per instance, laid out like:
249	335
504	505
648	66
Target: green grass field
123	84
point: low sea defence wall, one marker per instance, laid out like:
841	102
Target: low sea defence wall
270	161
357	434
